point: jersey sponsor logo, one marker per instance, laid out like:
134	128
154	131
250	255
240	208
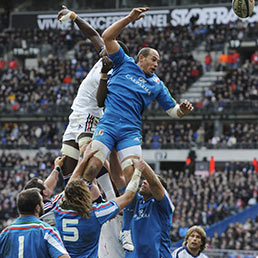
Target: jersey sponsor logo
140	82
142	214
141	79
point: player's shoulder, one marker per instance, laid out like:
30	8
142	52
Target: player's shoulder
179	252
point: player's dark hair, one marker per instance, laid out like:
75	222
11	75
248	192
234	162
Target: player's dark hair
124	47
78	197
28	200
34	183
163	181
143	52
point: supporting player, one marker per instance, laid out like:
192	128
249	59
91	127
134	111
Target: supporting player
79	221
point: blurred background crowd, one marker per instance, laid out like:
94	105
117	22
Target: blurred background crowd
37	89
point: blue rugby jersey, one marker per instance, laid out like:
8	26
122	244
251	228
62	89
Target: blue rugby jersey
150	228
30	237
130	90
81	235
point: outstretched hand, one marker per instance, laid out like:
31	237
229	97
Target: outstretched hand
186	107
87	152
139	164
66	14
138	13
59	161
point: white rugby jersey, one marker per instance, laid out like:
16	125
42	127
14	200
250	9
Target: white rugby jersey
182	252
85	101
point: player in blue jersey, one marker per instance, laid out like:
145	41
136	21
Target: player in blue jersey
194	244
152	216
131	88
47	187
79	221
28	236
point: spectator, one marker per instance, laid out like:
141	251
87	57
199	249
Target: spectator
208	60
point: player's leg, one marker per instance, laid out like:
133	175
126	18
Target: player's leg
109	244
117	175
104	181
70	147
96	163
71	150
128	149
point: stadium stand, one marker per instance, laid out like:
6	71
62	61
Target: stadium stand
35	103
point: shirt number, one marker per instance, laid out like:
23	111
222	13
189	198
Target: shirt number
69	229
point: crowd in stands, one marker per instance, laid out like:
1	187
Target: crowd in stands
237	86
15	171
55	79
216	35
171	134
237	237
202	201
29	135
167	134
205	201
53	84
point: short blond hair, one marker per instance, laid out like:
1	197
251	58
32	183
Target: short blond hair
201	232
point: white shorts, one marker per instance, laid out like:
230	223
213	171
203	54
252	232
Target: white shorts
79	124
109	244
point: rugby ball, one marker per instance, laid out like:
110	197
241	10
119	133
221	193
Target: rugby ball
243	8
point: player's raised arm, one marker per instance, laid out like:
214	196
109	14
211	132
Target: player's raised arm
84	26
131	189
156	188
102	88
110	34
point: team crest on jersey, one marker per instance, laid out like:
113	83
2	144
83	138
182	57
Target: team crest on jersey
156	79
100	132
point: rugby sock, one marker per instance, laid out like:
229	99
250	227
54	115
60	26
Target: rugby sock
105	184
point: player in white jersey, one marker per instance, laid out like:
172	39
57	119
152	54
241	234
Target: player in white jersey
85	110
82	122
194	244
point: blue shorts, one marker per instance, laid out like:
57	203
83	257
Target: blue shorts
117	132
